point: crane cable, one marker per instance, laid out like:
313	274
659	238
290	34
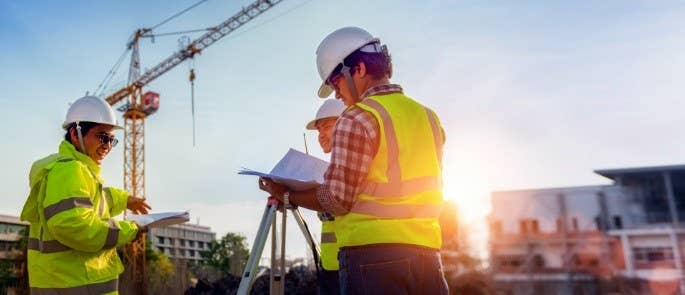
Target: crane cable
108	78
192	94
177	14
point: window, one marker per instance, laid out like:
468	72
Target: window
192	253
652	254
191	244
160	249
200	244
523	226
618	223
183	242
160	240
534	227
171	241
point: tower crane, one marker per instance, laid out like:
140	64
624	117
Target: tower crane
137	106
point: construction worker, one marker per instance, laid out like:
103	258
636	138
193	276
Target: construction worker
384	183
324	122
72	235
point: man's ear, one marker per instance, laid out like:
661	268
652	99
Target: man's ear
72	134
361	68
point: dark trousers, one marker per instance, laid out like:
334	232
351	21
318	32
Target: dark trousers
391	269
328	282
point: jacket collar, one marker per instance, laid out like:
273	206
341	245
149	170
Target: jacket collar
68	149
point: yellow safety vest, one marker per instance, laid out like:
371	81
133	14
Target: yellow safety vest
72	237
329	245
401	198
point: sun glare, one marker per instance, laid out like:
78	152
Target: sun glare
466	183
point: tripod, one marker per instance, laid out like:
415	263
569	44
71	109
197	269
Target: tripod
277	275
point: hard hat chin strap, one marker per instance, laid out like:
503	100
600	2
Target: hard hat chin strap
80	138
350	83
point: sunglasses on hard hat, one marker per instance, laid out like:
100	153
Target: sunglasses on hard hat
106	139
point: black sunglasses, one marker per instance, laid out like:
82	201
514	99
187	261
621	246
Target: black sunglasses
106	139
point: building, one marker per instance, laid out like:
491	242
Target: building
561	240
12	259
183	241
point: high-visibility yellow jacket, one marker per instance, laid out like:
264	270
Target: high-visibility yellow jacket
329	243
401	197
72	237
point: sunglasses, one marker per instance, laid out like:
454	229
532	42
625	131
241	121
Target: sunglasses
106	139
333	79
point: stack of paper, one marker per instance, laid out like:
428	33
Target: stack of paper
159	219
296	170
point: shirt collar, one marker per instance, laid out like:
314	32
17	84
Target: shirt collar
382	89
69	150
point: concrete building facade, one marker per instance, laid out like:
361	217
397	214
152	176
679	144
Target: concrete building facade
182	241
554	239
12	259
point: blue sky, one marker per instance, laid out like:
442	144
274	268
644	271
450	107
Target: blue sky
531	94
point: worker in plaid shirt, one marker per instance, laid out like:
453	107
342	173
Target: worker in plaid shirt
384	182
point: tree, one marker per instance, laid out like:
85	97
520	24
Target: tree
227	255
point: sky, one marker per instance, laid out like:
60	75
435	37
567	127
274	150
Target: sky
531	94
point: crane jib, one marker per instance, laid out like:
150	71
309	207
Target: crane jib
233	23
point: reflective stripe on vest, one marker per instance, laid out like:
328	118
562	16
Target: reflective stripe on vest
396	211
437	134
328	238
66	204
96	288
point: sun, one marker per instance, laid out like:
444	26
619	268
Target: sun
469	188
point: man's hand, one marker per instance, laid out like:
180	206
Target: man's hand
274	189
137	206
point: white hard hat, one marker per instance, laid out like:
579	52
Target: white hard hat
331	108
91	109
336	47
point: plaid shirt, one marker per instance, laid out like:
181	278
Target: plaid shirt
355	143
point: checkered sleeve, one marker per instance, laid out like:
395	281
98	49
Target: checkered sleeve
354	145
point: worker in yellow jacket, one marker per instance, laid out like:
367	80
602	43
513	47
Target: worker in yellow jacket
384	182
324	122
72	235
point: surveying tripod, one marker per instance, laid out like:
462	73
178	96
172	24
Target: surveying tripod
277	274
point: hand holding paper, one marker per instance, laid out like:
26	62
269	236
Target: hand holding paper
296	170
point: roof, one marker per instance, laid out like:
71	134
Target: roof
553	189
613	173
12	219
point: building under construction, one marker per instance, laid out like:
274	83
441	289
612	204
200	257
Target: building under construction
573	240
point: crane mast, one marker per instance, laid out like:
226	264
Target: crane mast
135	115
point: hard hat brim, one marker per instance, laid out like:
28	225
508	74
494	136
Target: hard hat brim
325	90
312	124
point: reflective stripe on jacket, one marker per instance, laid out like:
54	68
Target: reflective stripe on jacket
401	198
72	237
329	245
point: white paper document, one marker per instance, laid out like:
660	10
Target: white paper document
296	170
159	219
